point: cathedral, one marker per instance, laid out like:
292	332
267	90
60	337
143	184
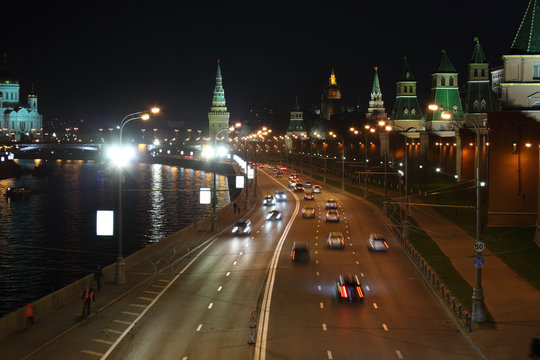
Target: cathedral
17	123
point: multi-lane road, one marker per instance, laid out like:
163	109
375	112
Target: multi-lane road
201	311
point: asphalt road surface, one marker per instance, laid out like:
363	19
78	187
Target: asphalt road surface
201	308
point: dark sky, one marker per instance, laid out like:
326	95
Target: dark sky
98	61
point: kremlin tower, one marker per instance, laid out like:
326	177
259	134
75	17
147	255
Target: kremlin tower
218	116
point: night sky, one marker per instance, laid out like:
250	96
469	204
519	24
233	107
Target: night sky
98	61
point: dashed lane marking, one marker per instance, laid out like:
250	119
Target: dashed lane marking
316	252
398	353
329	353
316	244
321	305
354	252
145	298
385	327
92	352
122	322
367	288
219	288
199	327
130	313
210	306
235	262
324	327
316	261
103	341
151	292
357	263
138	305
184	358
112	331
317	273
362	274
228	273
319	287
375	306
241	252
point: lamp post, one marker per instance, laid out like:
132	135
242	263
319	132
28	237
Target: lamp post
479	310
214	198
120	274
334	135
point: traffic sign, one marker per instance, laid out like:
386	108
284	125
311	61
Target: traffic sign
478	261
479	246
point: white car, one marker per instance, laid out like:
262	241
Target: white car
280	196
377	242
336	240
242	227
308	212
273	215
269	200
316	189
331	204
332	216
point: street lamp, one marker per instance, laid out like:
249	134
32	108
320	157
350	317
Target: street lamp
120	275
334	135
479	310
214	199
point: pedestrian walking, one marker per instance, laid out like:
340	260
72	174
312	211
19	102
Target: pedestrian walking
235	206
98	275
29	313
87	297
252	326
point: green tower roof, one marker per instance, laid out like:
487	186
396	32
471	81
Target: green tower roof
527	39
478	55
446	66
406	73
376	85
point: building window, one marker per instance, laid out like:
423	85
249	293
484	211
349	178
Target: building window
475	72
483	72
451	81
483	105
405	112
476	106
405	89
410	89
443	82
413	112
536	72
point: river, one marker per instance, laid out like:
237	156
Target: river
48	240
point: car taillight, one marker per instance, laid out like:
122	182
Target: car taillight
359	290
385	244
343	291
342	242
293	254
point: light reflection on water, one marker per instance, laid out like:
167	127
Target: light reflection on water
48	239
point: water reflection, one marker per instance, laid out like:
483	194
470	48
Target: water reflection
48	240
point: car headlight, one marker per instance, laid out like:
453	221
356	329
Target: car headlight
279	216
235	229
268	216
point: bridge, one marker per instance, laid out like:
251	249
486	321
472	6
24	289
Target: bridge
58	146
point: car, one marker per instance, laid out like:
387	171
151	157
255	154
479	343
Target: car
300	252
308	212
317	189
273	215
332	216
299	188
292	183
335	240
307	184
279	174
242	227
349	288
269	200
331	204
377	242
280	196
309	196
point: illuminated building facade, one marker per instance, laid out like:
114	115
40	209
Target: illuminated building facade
17	123
296	125
218	116
376	110
331	103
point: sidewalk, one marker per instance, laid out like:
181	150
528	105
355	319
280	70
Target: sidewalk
53	324
513	303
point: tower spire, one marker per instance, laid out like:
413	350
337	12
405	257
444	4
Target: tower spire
527	39
218	117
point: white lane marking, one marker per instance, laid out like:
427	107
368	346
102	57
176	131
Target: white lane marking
354	252
151	292
228	273
122	322
317	273
350	244
91	352
103	341
398	353
130	313
321	305
112	331
385	327
219	288
316	237
316	244
184	358
367	288
357	263
375	306
319	287
362	274
324	327
316	252
145	298
128	329
165	281
199	327
235	262
210	306
138	305
262	331
316	261
329	353
241	252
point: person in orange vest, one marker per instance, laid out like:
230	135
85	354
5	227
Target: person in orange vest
29	313
87	297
